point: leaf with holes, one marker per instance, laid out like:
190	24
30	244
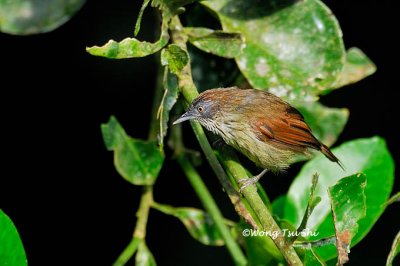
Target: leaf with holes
294	46
369	156
348	207
129	47
137	161
175	58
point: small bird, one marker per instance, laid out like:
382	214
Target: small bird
266	129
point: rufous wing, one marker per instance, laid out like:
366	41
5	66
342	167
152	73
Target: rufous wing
286	130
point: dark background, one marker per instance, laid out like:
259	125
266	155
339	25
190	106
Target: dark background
58	182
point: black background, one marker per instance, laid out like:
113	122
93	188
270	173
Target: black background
58	182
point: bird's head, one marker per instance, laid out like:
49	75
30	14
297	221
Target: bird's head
201	110
206	109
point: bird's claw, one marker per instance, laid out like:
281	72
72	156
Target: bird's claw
245	182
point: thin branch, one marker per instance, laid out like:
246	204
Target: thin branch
393	199
189	92
211	207
139	233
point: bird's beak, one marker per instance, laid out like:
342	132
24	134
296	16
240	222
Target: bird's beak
186	116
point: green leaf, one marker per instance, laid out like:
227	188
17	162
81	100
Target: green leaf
169	99
200	226
326	123
294	47
210	71
144	256
356	67
137	161
260	249
224	44
175	58
394	251
24	17
348	207
129	47
139	19
368	156
312	259
312	203
12	251
199	223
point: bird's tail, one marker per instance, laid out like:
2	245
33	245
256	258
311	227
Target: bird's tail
327	152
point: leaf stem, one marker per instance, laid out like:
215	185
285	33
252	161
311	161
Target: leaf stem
139	233
189	92
211	207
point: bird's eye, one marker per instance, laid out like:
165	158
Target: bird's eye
200	109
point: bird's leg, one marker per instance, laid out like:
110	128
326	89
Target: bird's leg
245	182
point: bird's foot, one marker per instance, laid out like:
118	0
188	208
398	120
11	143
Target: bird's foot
245	182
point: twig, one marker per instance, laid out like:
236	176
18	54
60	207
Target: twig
139	233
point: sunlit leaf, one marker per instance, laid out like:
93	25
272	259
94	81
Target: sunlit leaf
129	47
225	44
12	252
348	207
292	46
368	156
137	161
23	17
174	57
144	256
356	67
